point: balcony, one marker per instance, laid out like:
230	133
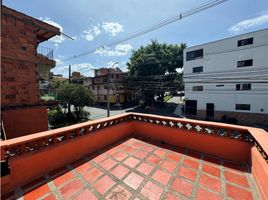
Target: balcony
138	156
45	56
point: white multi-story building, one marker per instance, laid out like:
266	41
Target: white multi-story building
228	78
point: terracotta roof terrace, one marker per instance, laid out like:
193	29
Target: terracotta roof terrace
137	156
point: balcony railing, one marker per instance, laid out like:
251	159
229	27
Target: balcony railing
65	145
45	51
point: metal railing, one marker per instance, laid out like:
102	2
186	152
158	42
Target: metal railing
45	51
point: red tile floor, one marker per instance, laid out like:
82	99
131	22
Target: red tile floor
141	169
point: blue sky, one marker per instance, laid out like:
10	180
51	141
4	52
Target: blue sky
97	22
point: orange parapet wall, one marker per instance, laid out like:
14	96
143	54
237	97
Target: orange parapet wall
49	150
24	121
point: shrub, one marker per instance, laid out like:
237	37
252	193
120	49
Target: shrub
56	118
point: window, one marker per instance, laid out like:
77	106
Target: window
117	76
198	88
246	86
98	87
93	88
220	85
242	106
197	69
245	42
105	97
193	55
245	63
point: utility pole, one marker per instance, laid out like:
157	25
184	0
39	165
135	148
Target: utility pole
69	105
108	89
108	93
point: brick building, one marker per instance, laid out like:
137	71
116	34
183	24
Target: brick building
98	85
22	111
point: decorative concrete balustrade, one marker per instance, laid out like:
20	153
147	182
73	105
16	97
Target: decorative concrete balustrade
31	156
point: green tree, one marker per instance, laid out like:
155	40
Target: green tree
75	95
155	59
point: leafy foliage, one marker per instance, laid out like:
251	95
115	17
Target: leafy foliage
156	59
56	118
152	70
76	95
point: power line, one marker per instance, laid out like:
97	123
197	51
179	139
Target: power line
148	29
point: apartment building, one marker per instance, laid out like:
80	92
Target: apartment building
228	78
98	85
22	67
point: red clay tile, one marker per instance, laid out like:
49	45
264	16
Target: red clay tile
121	146
153	159
63	179
50	197
86	194
172	197
209	182
169	166
133	180
108	164
104	184
145	168
236	178
120	156
161	176
129	150
191	163
204	194
174	156
92	175
120	171
119	193
140	154
183	187
187	173
211	170
151	191
83	168
111	151
131	162
71	188
238	193
37	193
160	152
99	158
138	144
147	148
212	160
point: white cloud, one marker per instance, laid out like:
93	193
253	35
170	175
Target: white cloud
249	23
92	32
112	64
112	28
56	39
58	61
119	50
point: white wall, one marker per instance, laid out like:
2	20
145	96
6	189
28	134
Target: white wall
220	67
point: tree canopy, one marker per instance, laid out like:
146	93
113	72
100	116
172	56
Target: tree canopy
156	59
76	95
152	70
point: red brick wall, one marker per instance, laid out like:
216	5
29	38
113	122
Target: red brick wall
18	57
24	121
